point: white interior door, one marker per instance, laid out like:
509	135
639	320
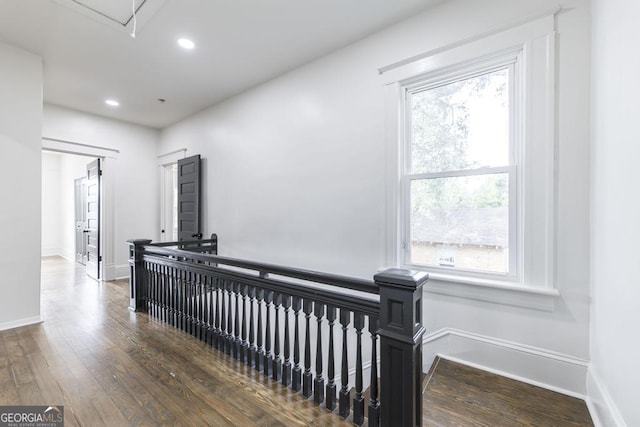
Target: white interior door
94	257
80	193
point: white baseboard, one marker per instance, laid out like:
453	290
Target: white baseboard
122	271
109	272
51	252
115	271
554	371
21	322
604	411
68	255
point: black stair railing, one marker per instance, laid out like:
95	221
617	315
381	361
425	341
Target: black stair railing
247	310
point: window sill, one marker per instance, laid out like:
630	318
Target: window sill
492	291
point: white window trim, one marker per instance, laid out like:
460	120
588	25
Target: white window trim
534	43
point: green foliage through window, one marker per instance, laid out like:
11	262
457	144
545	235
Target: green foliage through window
459	147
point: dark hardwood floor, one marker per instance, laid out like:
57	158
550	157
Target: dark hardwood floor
111	367
458	395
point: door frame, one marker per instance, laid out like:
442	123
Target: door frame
108	157
94	236
164	161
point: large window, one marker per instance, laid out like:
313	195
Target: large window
460	172
471	144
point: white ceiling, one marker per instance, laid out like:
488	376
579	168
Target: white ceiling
118	12
239	44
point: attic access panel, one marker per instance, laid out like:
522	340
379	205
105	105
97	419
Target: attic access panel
116	13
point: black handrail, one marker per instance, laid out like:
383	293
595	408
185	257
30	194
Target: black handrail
260	268
217	299
352	302
184	243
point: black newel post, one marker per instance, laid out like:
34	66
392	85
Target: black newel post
137	284
400	334
214	244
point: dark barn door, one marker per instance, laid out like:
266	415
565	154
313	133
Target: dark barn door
93	219
189	198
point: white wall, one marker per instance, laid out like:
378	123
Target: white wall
59	172
131	180
615	209
20	127
51	232
295	174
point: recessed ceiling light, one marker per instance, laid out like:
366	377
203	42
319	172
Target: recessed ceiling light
186	43
112	102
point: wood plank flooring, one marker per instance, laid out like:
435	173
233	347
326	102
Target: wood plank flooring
111	367
458	395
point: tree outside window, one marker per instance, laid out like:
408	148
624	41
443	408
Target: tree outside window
459	171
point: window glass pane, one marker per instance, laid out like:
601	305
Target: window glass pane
461	125
461	222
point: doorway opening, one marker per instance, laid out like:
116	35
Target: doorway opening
71	209
180	216
169	203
